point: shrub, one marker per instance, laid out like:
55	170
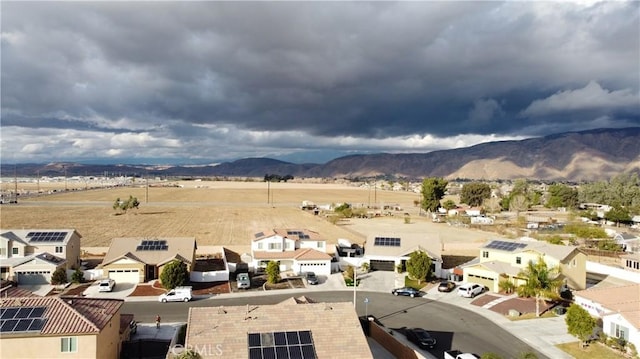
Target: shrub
348	274
59	276
77	276
273	272
506	286
174	274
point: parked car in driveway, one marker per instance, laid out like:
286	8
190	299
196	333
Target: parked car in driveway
311	278
106	285
470	290
420	337
446	286
243	281
408	291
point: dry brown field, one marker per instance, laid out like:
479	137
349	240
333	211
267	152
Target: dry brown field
227	213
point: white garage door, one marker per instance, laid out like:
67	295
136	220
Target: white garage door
34	277
317	268
125	275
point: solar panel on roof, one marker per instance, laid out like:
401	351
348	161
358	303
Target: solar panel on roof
152	245
22	319
285	345
505	245
386	241
46	236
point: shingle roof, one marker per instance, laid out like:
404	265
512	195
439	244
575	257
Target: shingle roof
624	300
301	254
21	236
409	242
121	247
335	327
70	315
287	232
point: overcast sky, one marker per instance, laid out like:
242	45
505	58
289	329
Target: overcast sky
204	82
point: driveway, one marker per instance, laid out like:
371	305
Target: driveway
377	281
120	291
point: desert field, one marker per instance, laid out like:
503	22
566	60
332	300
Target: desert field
224	213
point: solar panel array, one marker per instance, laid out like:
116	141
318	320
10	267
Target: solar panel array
300	234
282	345
46	236
386	242
22	319
153	245
505	246
259	234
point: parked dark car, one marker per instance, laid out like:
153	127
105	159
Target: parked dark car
408	291
446	286
420	337
311	278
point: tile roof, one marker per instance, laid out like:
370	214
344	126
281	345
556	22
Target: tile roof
624	300
335	327
285	232
127	247
409	242
301	254
69	315
556	251
15	292
20	235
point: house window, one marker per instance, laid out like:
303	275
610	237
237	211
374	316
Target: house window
287	245
518	260
259	245
485	254
320	244
15	250
619	331
59	249
69	344
575	262
275	246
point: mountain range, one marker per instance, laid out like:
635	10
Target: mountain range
591	155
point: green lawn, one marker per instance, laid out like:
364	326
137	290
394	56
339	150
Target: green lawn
593	351
408	282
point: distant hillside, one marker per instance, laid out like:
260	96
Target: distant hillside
573	156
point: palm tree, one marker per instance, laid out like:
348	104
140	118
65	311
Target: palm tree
542	282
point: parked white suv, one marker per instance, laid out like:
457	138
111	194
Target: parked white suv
106	285
470	290
177	294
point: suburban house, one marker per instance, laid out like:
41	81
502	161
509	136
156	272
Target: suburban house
290	329
59	327
629	241
139	260
31	256
618	307
503	259
385	252
296	250
631	262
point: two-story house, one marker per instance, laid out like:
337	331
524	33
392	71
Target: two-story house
296	250
502	259
30	256
59	327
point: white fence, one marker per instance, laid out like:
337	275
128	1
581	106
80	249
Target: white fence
93	274
212	276
594	267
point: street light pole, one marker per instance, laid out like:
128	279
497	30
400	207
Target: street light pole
355	284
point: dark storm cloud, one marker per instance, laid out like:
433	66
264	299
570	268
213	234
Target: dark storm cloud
274	78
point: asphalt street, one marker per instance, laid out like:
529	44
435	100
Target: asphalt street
454	327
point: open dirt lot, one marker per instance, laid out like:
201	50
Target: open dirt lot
223	213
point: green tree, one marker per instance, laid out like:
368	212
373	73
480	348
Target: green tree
561	195
124	206
419	266
349	273
618	214
490	355
174	274
579	322
273	272
59	276
433	189
492	205
77	276
541	282
449	204
474	193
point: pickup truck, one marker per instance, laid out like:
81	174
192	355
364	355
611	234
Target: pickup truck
456	354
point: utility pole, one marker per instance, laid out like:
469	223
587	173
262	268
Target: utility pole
355	284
